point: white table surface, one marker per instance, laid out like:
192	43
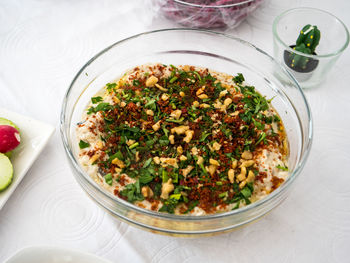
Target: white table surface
42	46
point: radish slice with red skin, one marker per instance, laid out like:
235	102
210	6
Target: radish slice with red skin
9	138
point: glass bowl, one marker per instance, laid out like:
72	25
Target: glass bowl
334	40
203	14
216	51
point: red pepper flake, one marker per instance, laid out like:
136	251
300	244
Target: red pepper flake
122	180
131	106
155	205
276	182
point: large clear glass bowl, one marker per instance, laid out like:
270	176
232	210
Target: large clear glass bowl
216	51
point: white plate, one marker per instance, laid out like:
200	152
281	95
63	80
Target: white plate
34	136
48	254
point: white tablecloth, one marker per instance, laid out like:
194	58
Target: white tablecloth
42	46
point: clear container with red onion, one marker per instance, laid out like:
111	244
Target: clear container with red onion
206	13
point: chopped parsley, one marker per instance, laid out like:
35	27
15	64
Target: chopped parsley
83	144
282	168
145	178
110	86
147	163
108	178
170	204
103	106
238	79
132	192
191	206
262	137
95	100
246	192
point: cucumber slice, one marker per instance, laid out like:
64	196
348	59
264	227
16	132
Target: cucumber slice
8	154
4	121
6	172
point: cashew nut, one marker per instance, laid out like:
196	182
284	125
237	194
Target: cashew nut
247	155
200	160
156	126
231	175
212	169
180	129
94	158
118	162
247	163
195	103
146	191
179	149
156	160
203	96
165	97
183	158
234	164
161	88
187	170
214	162
189	136
167	188
150	112
176	114
227	102
242	175
194	151
172	139
151	81
223	93
216	146
250	177
204	105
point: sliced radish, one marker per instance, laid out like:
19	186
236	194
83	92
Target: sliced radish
9	138
4	121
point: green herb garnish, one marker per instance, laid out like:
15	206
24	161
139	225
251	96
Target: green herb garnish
282	168
238	79
134	145
108	178
262	137
191	206
176	121
83	144
103	106
132	192
147	163
173	79
95	100
246	192
145	178
110	86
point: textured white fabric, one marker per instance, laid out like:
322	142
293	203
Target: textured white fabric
42	46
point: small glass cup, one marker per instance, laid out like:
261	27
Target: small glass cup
334	40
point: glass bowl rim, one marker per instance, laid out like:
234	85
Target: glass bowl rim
156	214
213	6
287	47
